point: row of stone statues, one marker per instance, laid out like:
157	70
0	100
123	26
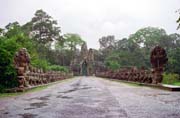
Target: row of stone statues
128	74
37	77
31	76
158	59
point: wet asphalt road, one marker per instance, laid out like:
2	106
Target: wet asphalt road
91	97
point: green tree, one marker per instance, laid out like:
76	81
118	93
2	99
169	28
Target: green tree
175	40
13	29
72	41
44	28
13	39
107	45
148	37
7	71
67	48
173	61
107	42
1	32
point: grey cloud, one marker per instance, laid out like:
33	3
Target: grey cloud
95	18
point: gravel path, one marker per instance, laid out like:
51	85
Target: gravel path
92	97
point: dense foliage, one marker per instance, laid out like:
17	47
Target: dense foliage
58	68
42	37
170	78
7	71
135	50
10	42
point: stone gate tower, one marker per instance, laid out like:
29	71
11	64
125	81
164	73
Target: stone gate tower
83	63
87	61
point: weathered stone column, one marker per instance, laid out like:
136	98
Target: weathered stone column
21	62
158	60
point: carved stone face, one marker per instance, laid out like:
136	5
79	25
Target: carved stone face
22	57
158	57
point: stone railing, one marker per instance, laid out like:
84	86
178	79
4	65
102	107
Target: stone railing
31	76
134	75
158	59
36	76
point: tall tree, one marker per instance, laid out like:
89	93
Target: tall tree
13	29
72	41
107	42
148	37
107	45
67	48
44	28
1	32
178	20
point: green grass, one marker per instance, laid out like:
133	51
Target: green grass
171	79
2	95
133	84
176	83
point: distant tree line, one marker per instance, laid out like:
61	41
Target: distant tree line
135	50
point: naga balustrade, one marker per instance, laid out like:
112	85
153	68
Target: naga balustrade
31	76
158	59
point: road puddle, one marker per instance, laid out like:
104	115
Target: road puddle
174	115
29	108
44	98
6	112
64	97
85	88
157	94
38	104
68	91
75	89
28	115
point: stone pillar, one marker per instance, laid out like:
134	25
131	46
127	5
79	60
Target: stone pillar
21	62
158	60
90	62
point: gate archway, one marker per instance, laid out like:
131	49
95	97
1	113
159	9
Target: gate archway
84	68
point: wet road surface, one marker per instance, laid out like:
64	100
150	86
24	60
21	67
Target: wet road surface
91	97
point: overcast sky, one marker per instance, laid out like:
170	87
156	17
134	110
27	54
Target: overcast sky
93	19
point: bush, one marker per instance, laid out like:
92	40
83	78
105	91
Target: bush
45	65
7	70
8	47
170	78
58	68
112	65
40	63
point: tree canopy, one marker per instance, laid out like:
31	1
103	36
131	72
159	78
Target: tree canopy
44	28
135	50
178	20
